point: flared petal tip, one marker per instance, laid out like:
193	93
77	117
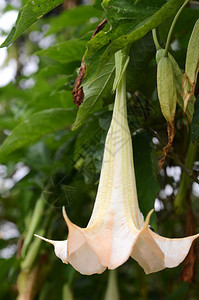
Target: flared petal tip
44	239
59	246
174	252
147	220
67	220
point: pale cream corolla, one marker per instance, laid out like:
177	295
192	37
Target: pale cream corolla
116	229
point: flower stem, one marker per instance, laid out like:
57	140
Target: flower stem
112	288
172	27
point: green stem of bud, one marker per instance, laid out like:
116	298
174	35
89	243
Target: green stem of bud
155	39
172	27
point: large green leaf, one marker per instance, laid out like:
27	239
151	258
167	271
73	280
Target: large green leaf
57	69
29	14
65	52
73	17
34	128
129	22
100	89
141	53
95	92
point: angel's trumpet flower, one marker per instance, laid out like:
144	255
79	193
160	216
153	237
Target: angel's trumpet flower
116	229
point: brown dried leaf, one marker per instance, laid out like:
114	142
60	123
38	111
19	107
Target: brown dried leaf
78	93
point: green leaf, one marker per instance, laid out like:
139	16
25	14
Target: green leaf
32	11
141	53
195	122
65	52
73	17
95	93
88	136
57	69
34	128
145	171
98	4
129	22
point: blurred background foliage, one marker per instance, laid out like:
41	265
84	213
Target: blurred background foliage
45	165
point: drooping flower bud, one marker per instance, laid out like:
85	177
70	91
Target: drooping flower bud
191	66
167	95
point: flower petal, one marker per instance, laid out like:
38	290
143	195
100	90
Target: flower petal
60	248
122	245
75	236
81	254
146	252
155	253
175	250
86	261
111	242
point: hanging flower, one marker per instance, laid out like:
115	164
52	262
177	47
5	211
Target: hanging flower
116	229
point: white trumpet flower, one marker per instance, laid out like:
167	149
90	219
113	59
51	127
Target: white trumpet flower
116	229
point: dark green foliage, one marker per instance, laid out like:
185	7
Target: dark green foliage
195	124
145	171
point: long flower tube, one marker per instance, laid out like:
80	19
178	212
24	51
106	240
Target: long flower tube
116	229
